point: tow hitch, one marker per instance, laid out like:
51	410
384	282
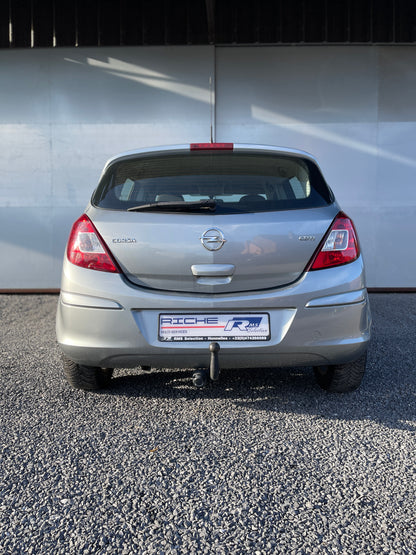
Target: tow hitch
214	365
200	376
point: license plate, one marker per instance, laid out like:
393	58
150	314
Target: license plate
247	326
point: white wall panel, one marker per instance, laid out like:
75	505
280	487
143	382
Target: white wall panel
63	113
397	84
25	164
354	108
297	84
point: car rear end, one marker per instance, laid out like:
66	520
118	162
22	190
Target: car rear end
239	245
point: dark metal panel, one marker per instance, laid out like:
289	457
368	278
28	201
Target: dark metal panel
197	23
43	22
225	25
383	21
4	24
21	23
405	21
87	22
163	22
337	21
109	24
269	21
361	12
315	21
246	22
175	22
131	22
210	9
293	22
65	23
153	22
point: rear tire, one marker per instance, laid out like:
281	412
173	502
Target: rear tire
341	378
89	378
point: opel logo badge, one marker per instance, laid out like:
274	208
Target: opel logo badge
213	239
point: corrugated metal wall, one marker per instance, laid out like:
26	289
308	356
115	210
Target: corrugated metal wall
55	23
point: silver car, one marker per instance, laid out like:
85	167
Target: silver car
210	256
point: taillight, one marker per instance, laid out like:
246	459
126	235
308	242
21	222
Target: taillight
340	245
212	146
87	249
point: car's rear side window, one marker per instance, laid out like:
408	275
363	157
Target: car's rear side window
237	182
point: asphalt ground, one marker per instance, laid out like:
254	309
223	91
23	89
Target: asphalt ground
261	462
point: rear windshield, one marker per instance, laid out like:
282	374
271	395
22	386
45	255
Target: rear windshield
226	182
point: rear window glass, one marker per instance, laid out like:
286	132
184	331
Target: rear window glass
237	182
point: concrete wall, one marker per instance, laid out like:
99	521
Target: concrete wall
63	112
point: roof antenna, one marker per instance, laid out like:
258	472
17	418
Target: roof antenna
211	108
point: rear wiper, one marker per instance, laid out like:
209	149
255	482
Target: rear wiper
179	205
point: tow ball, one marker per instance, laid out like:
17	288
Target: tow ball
200	376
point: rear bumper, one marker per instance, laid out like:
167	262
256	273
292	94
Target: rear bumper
322	319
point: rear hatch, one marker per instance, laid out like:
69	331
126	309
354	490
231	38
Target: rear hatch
213	221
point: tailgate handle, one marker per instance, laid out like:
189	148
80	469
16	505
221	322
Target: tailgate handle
211	270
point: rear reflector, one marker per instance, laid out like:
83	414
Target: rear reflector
87	249
340	245
212	146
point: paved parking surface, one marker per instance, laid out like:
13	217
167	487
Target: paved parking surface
262	462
